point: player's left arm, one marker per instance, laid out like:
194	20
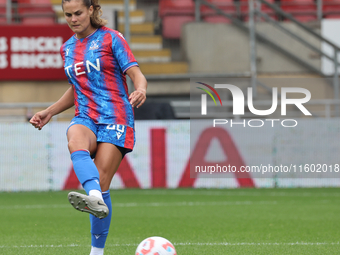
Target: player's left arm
138	97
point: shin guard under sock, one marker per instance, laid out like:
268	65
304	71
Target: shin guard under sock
100	227
85	170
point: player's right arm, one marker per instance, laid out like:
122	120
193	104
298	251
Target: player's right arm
41	118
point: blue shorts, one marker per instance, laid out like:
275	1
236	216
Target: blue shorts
120	135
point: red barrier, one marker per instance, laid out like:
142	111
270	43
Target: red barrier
32	52
158	157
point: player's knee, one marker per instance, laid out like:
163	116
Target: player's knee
104	179
104	174
74	145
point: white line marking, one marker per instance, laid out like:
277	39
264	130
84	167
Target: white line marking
255	193
33	206
179	244
155	204
193	203
257	244
41	246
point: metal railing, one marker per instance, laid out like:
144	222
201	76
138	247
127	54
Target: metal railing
240	24
318	7
336	48
196	75
15	12
19	112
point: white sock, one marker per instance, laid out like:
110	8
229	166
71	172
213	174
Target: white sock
96	193
97	251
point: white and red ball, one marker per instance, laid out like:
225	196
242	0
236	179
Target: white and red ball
156	246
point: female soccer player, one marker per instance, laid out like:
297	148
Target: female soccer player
96	60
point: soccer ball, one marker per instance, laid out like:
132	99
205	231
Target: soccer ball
156	246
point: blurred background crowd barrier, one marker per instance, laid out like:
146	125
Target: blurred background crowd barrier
39	160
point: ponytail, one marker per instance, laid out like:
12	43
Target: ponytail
96	20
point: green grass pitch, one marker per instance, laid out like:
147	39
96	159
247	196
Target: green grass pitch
196	221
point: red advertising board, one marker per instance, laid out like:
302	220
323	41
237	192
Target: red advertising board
32	52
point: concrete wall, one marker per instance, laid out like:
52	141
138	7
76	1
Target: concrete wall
34	91
31	91
219	48
320	88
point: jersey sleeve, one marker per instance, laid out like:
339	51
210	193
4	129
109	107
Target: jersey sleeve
122	52
62	53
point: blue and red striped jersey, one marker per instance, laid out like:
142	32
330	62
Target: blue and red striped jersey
96	66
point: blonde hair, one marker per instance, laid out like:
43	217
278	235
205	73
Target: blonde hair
96	20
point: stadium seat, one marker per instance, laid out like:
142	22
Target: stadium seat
175	7
331	9
41	17
3	18
226	6
264	8
267	10
172	25
301	10
41	2
23	1
174	14
36	12
244	8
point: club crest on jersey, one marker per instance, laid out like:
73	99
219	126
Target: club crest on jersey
94	45
118	128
